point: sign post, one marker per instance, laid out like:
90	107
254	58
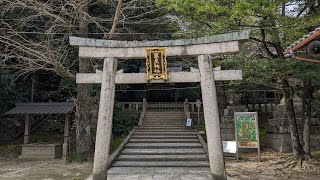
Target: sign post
247	131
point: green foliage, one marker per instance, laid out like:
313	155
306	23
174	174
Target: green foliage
123	122
192	94
200	127
9	151
67	88
262	135
219	16
115	143
258	69
11	91
76	157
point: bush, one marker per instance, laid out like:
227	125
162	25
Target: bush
122	122
10	151
76	157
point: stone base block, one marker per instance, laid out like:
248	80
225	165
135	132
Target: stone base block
229	111
279	142
283	143
41	151
227	119
228	137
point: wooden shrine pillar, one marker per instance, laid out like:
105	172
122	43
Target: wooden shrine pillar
66	138
211	117
104	125
27	129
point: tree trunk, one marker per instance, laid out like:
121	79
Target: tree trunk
83	135
84	99
306	113
288	95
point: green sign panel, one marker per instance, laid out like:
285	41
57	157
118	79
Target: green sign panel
246	126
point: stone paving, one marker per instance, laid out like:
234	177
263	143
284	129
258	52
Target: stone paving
158	173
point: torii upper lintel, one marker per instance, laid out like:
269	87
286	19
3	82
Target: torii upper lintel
218	44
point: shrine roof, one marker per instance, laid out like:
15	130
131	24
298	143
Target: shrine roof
87	42
302	42
42	108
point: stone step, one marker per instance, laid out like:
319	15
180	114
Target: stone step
164	116
165	120
149	140
165	112
199	157
161	127
161	124
164	123
164	127
168	151
161	164
164	130
163	145
163	137
166	133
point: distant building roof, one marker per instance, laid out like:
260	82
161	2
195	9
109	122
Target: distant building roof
303	42
42	108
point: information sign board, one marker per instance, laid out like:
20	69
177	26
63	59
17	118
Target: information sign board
189	122
247	130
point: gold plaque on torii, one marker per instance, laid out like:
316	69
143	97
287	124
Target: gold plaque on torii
156	63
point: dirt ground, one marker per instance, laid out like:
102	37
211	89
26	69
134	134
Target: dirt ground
272	167
246	168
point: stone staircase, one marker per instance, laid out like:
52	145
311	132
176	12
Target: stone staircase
163	141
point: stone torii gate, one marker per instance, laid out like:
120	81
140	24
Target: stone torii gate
202	48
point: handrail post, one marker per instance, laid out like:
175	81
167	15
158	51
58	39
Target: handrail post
186	109
144	110
198	105
144	104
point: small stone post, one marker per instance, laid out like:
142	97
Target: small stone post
144	105
27	129
198	105
186	109
211	117
104	126
66	138
144	110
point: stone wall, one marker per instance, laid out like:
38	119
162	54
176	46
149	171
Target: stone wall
278	132
227	122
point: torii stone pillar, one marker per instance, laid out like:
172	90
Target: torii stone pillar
104	126
211	117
